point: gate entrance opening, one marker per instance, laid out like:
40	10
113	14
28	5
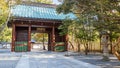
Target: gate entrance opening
39	41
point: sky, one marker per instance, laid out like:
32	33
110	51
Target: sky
56	2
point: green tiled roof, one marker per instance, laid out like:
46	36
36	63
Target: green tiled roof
26	11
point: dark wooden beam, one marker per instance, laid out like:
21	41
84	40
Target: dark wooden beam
44	25
22	25
39	31
36	20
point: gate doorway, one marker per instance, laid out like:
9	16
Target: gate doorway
39	41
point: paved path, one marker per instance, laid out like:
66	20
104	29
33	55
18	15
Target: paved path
51	60
8	60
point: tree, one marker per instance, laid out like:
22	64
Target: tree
3	13
104	13
5	9
5	35
38	37
4	17
79	32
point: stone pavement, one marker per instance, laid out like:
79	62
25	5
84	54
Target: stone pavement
50	60
41	59
95	59
8	60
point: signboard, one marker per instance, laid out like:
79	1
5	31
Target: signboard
40	29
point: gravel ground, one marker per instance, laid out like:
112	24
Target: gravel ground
96	60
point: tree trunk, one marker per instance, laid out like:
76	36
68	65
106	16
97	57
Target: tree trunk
86	49
71	45
78	45
110	43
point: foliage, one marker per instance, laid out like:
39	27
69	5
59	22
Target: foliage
105	13
5	35
94	16
3	12
65	27
38	37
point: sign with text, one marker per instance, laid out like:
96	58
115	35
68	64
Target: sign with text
40	29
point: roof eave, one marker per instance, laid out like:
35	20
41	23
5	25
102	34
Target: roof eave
33	20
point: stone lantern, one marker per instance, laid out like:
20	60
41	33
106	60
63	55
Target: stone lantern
104	36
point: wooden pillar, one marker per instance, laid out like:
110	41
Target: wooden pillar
13	38
29	38
44	42
49	41
53	38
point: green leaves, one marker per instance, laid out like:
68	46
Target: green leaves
38	37
65	27
66	7
6	35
